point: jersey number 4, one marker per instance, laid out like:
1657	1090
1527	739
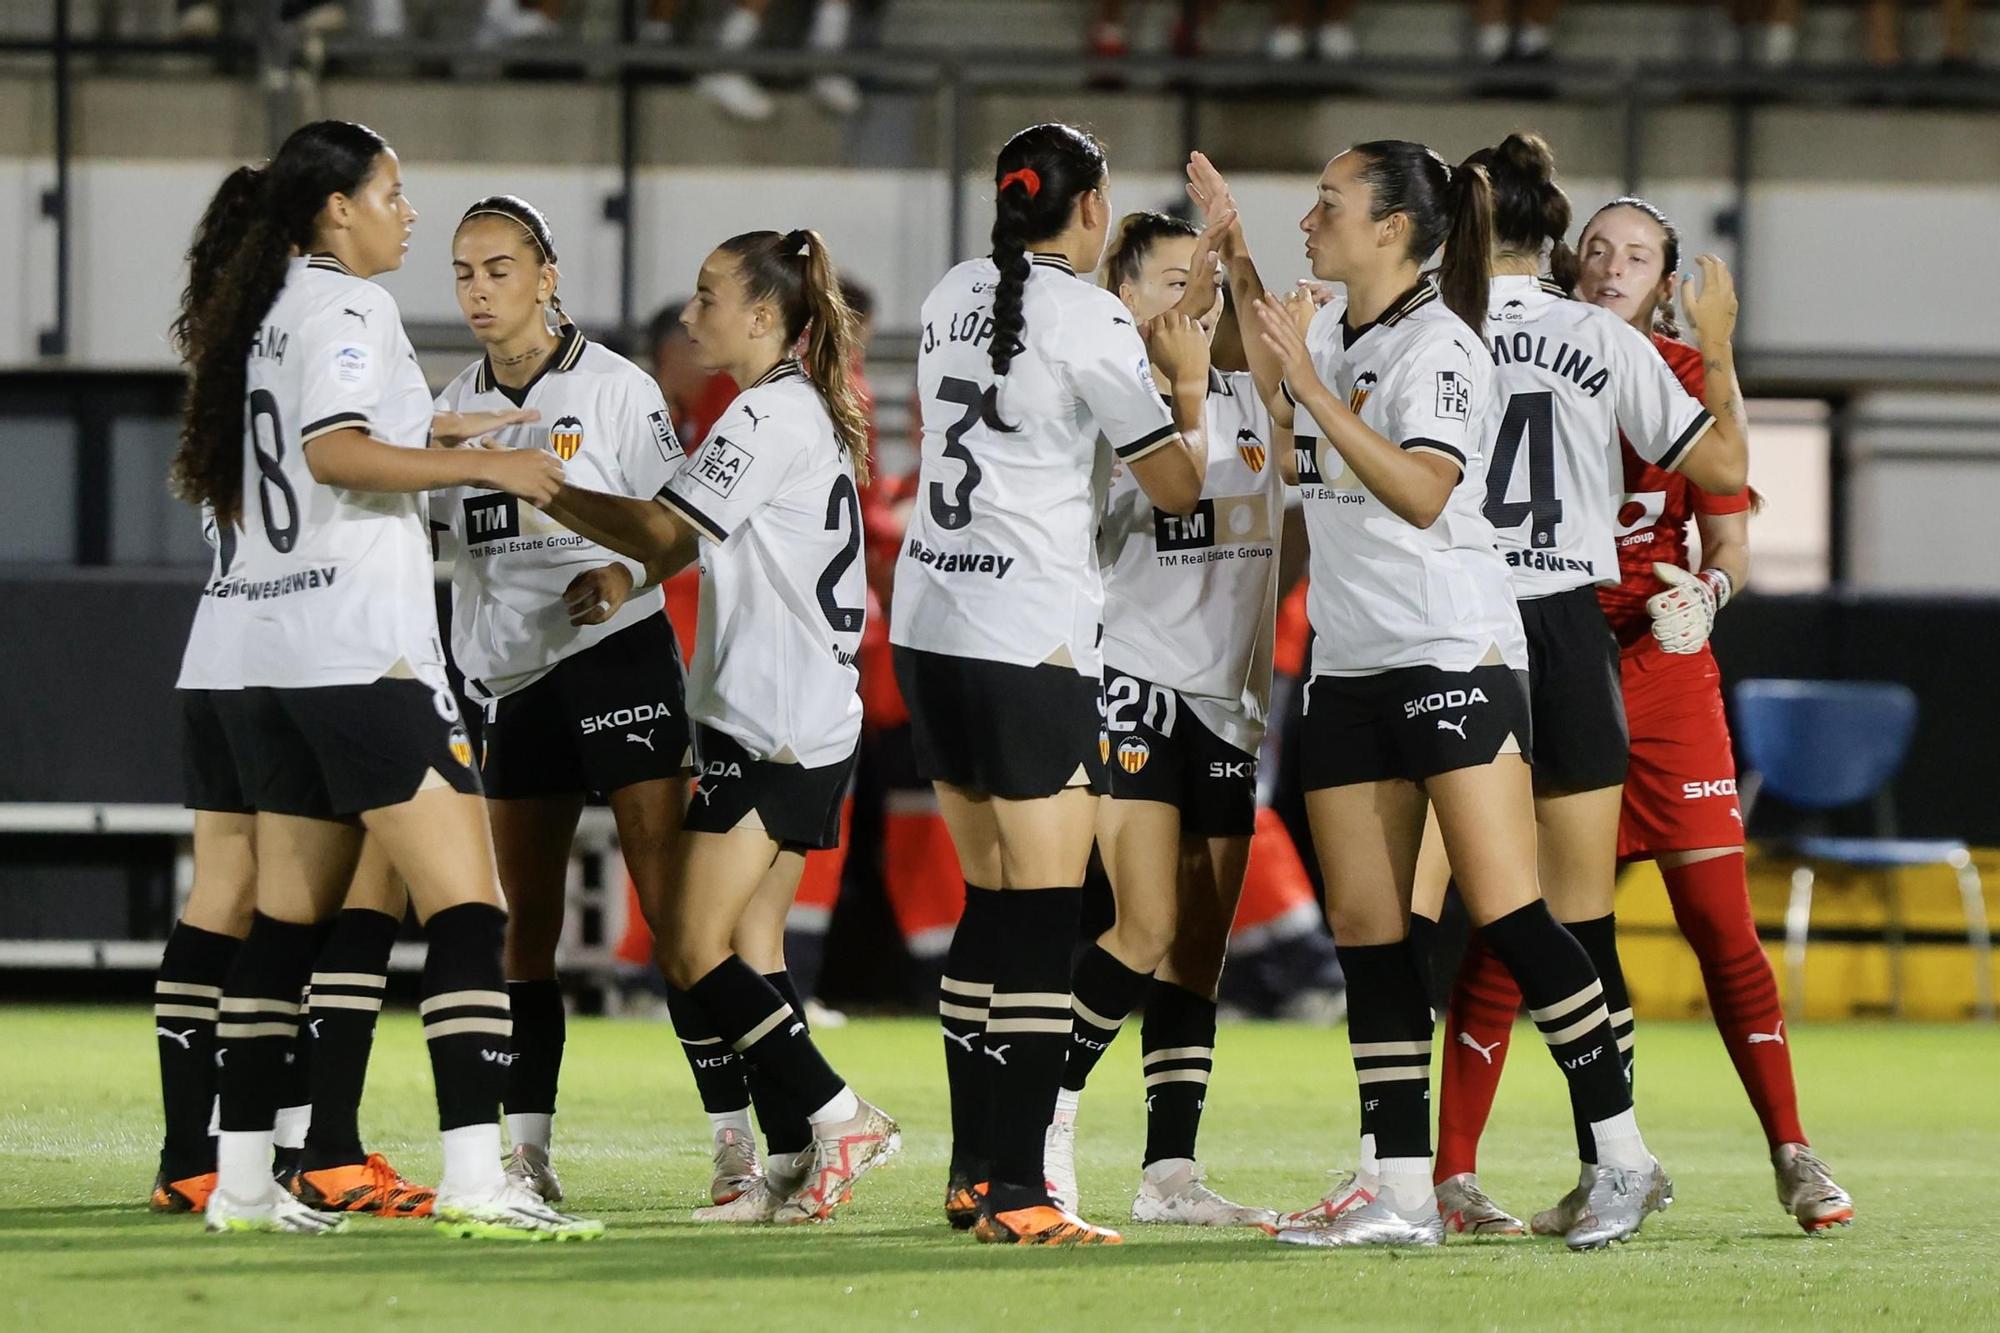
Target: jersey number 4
274	488
1531	415
955	511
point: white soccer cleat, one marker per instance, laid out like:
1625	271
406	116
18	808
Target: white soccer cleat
512	1211
1617	1205
1807	1190
1376	1222
1467	1211
736	1166
1349	1192
841	1155
1173	1192
529	1167
275	1211
737	94
1059	1161
758	1203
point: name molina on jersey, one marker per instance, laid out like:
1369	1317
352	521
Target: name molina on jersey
1227	527
1522	348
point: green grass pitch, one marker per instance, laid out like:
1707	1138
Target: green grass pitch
1905	1115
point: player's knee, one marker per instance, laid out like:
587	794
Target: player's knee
1143	938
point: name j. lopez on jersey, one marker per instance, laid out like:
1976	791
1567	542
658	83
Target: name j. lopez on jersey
961	562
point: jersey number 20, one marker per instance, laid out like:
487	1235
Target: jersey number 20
272	484
1532	415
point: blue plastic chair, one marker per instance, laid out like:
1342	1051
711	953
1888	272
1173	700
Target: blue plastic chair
1822	745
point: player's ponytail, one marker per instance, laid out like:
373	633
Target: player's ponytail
1664	319
1037	179
1452	209
795	271
1530	210
259	217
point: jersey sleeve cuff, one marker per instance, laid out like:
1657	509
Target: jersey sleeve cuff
1439	447
338	421
1146	443
1677	452
701	522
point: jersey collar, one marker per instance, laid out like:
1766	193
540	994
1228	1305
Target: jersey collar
328	263
1054	261
787	369
569	351
1523	282
1399	309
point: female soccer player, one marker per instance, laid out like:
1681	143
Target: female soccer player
1679	803
769	503
1022	368
306	396
1419	646
570	709
1570	378
1190	606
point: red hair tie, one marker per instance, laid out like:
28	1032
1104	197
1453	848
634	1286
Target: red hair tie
1027	177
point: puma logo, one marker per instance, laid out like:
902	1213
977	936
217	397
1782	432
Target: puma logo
1778	1035
181	1037
361	315
645	740
797	1028
1458	726
1736	814
1485	1052
314	1025
755	420
1120	319
964	1039
707	794
999	1052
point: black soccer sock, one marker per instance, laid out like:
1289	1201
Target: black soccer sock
540	1026
186	996
1177	1053
964	999
1103	993
295	1089
720	1074
761	1025
346	999
1422	944
464	1008
259	1021
1599	938
1389	1032
1566	999
783	1118
1027	1034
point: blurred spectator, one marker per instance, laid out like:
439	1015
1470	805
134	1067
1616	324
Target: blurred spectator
1512	31
517	21
199	20
1768	31
739	94
1107	35
1885	37
1333	40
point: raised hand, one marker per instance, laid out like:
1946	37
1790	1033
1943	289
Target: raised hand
1179	346
1200	298
1713	308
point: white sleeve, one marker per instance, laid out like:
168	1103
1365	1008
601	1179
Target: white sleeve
350	354
1442	397
649	452
1107	366
738	469
1657	414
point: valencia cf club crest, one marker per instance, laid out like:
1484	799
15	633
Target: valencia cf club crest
1133	752
461	747
1252	449
1103	747
566	437
1364	384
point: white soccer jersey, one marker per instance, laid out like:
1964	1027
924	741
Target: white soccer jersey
605	418
337	583
1192	602
1571	376
213	657
1385	593
783	592
998	562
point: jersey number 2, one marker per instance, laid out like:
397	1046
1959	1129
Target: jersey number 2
1532	415
272	484
842	504
954	513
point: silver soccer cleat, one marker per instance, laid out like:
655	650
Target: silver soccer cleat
1807	1190
1349	1191
1617	1205
736	1166
1466	1211
1557	1219
841	1155
1059	1161
275	1211
758	1203
1377	1222
1178	1195
528	1166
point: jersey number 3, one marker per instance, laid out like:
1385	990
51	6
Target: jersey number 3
1532	415
955	512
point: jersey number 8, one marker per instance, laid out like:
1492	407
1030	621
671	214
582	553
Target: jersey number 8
265	424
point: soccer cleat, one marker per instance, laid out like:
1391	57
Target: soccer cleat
1059	1161
1040	1224
961	1202
1558	1218
760	1198
276	1211
1174	1192
1617	1204
1376	1222
841	1155
1468	1212
1807	1190
529	1167
189	1194
512	1211
736	1168
1349	1191
372	1186
737	94
285	1163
